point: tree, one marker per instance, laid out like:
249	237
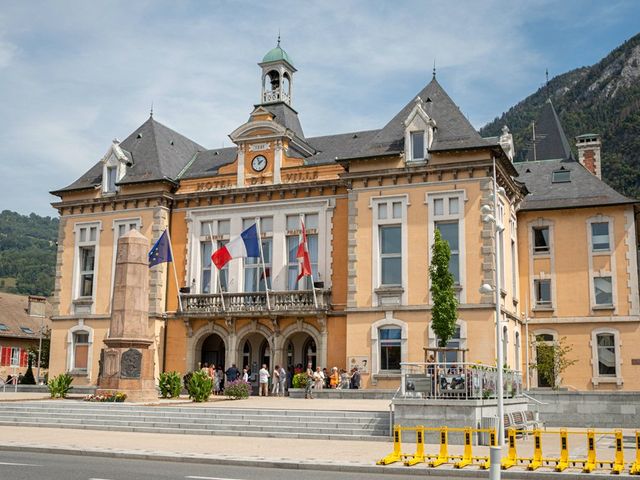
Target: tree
552	359
444	312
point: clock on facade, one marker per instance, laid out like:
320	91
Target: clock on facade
259	163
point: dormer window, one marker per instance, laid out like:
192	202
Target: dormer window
418	133
115	163
112	175
417	145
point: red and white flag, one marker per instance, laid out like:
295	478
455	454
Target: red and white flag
303	255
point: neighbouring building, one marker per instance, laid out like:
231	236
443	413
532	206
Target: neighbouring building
19	333
371	201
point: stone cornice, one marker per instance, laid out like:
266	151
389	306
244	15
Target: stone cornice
113	203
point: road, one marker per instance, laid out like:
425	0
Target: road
45	466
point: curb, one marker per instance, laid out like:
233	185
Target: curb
260	462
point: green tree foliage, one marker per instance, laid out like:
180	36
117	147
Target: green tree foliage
590	100
28	252
552	359
444	312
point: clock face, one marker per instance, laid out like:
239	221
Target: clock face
259	163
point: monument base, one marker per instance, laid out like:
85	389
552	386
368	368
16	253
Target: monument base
128	370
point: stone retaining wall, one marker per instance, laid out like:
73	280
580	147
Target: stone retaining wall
588	409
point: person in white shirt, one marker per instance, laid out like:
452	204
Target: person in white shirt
318	379
245	374
264	381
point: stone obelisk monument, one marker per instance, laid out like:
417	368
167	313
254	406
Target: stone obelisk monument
128	358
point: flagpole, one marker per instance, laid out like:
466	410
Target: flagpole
224	307
175	273
313	286
264	270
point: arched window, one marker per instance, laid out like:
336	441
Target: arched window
265	354
246	354
606	357
290	353
505	345
79	349
516	351
310	352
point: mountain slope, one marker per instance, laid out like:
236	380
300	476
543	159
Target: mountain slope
604	99
27	253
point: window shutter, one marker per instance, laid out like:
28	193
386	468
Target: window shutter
6	356
24	358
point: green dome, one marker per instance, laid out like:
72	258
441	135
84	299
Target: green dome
276	54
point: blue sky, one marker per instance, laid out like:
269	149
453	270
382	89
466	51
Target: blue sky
76	74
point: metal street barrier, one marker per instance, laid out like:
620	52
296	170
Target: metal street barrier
537	460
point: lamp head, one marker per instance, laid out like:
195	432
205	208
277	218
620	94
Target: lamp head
485	289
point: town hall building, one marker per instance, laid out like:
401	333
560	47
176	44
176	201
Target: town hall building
371	202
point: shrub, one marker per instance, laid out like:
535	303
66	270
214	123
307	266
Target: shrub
238	389
118	397
59	386
200	386
170	384
28	378
299	380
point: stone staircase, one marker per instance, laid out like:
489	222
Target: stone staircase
310	424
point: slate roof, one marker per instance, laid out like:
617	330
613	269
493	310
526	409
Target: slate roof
285	116
328	148
453	130
583	190
550	140
13	315
156	151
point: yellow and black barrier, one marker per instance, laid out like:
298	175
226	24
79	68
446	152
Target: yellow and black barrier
537	460
442	457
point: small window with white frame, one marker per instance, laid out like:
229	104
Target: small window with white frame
390	348
600	236
605	356
417	145
541	242
80	360
86	245
603	291
542	292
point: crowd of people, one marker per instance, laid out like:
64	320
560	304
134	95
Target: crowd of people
281	380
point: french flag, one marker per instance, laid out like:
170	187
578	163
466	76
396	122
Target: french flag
246	245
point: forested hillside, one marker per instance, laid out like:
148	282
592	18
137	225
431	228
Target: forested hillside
27	253
604	99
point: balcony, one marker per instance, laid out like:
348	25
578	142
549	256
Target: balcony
254	304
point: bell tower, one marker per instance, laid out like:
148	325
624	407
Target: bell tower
277	76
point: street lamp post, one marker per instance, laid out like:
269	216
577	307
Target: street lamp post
490	215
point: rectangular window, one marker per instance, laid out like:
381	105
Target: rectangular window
112	176
87	265
294	232
205	267
606	355
417	145
449	233
603	290
213	235
454	343
257	279
390	348
15	357
542	289
600	236
541	240
514	271
391	254
561	176
80	351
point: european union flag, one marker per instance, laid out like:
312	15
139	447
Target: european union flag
161	251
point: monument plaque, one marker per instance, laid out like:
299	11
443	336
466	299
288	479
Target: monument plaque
130	364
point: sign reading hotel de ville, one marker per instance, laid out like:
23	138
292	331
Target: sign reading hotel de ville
362	362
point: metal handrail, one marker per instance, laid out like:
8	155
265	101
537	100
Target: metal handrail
535	400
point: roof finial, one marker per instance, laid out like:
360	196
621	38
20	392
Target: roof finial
151	111
434	68
278	38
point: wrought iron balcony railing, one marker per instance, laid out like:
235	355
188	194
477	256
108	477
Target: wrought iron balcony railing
295	302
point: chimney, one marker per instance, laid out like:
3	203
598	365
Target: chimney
589	152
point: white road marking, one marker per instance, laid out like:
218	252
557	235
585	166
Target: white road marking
20	464
208	478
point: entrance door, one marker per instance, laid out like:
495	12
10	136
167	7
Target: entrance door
213	351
